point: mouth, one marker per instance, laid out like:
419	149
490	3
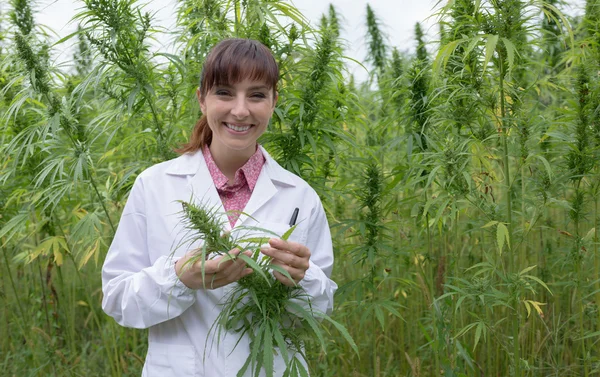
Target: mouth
238	127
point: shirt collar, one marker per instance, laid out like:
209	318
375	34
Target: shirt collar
253	167
248	172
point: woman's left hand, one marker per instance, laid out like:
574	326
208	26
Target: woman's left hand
291	256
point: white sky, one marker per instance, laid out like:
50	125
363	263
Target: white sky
398	18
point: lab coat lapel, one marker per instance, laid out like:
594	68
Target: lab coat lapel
203	191
263	191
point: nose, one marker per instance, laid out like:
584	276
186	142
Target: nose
240	108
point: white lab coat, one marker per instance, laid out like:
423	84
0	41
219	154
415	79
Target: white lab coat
139	283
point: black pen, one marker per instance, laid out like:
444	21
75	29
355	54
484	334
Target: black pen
294	217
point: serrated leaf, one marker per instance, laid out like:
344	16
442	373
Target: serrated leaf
480	328
342	330
280	342
281	270
511	51
268	350
539	281
250	262
502	236
254	240
526	303
527	269
288	233
490	48
491	223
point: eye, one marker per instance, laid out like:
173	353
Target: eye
258	95
222	92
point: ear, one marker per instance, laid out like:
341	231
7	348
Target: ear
201	101
275	98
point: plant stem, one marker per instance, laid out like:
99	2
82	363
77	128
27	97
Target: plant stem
596	255
102	203
511	257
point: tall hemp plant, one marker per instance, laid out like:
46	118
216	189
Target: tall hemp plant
502	31
364	295
591	34
60	202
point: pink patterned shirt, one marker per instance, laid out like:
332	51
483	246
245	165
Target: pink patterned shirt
235	196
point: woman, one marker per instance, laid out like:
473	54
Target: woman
146	281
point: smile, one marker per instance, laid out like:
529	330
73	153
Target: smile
238	128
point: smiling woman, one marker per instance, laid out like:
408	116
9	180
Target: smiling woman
177	294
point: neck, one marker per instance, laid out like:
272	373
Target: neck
229	163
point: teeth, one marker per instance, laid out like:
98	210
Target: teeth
237	128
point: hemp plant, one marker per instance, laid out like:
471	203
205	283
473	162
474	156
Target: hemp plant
277	318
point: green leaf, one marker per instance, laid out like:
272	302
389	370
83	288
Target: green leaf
546	164
539	281
464	354
281	270
502	236
268	349
250	262
15	225
490	48
471	46
342	330
491	223
301	370
444	54
310	320
253	240
288	233
280	342
480	328
591	335
380	317
511	51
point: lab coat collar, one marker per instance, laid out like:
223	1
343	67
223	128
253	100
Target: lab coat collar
202	187
191	163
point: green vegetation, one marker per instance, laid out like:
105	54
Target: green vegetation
461	182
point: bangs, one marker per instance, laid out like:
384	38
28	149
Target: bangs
234	60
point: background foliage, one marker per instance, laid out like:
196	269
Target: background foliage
461	183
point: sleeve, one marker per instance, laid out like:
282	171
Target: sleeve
137	293
317	282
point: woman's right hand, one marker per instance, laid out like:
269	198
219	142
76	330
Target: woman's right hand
217	272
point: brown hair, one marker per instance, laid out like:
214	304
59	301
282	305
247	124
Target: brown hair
229	62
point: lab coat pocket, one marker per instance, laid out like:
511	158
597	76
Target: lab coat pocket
165	360
298	235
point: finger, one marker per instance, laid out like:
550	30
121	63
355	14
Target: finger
287	258
293	247
295	273
234	269
222	279
207	266
233	272
226	260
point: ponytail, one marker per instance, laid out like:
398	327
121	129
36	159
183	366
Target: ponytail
201	136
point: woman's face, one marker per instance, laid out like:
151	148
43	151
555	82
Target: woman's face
237	114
